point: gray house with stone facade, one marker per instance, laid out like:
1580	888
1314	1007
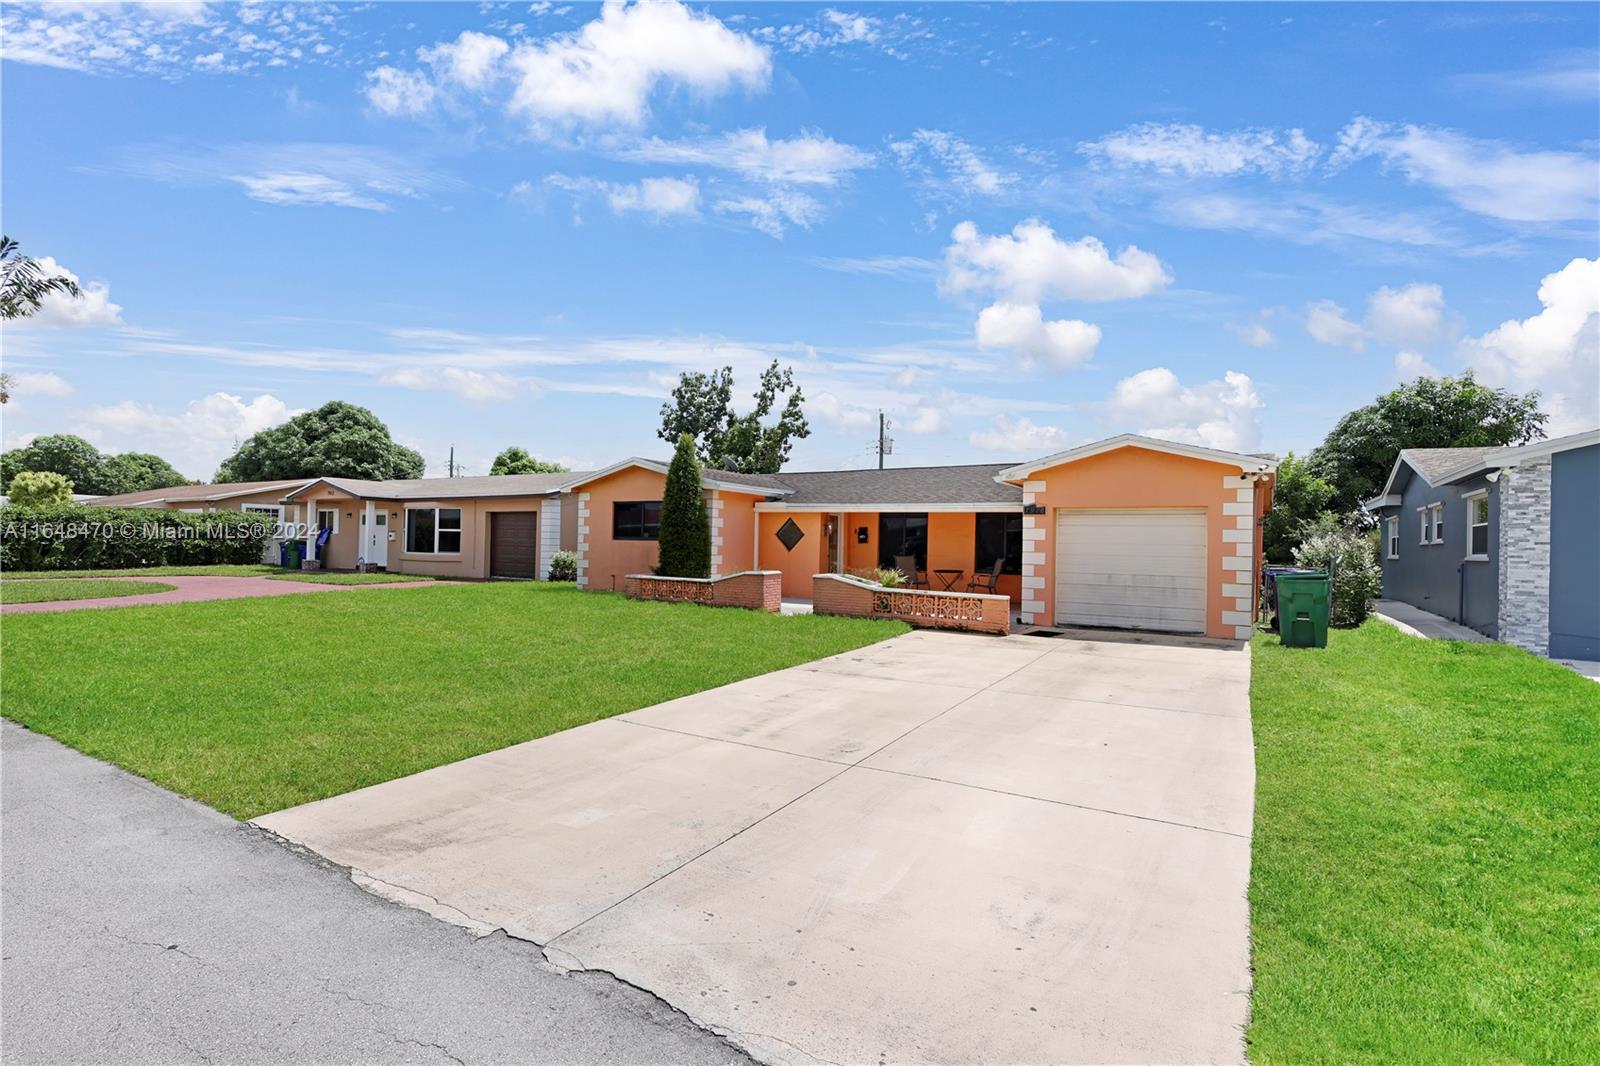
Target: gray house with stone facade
1504	540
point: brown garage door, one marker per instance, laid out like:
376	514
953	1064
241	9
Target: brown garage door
513	544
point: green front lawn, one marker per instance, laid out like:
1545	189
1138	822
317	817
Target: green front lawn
218	570
256	705
1425	884
40	591
324	577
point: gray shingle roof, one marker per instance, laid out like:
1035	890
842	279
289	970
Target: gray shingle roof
449	488
197	493
1435	463
901	485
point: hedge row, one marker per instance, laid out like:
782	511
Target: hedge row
98	538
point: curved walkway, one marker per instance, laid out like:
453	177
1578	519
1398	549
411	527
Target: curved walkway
193	588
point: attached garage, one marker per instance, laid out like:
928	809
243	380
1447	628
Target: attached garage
513	544
1132	568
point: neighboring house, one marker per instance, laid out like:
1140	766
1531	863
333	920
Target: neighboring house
1504	540
260	497
468	527
1129	532
78	498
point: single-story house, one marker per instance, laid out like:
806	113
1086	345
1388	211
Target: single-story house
1129	532
198	499
1503	540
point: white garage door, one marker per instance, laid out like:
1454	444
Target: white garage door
1133	569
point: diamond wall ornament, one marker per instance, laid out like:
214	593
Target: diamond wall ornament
790	534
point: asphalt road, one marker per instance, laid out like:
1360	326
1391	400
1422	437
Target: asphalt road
138	927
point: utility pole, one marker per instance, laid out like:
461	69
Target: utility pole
885	443
451	467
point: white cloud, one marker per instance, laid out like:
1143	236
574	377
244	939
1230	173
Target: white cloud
1022	328
962	168
1031	264
57	309
475	386
605	72
1308	219
195	441
1411	316
25	384
1256	334
1019	437
772	213
1408	366
1326	322
809	159
1487	177
296	174
472	60
400	92
1190	150
846	417
1556	351
660	197
894	266
1569	75
1213	414
923	419
316	190
830	29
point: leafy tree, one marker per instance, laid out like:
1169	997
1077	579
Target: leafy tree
1298	497
40	488
1447	412
5	388
24	284
685	526
515	460
72	457
137	471
336	440
702	407
1351	556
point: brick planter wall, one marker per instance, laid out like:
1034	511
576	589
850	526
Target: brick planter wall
969	611
755	590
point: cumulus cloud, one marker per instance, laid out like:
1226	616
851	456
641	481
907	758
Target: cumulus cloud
772	213
1177	148
195	441
1487	177
1408	366
472	60
92	308
1019	437
809	159
475	386
1556	350
1213	414
43	383
1022	328
660	197
1410	316
1256	334
1326	322
960	167
1032	264
400	92
847	417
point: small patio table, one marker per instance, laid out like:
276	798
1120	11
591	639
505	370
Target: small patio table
948	578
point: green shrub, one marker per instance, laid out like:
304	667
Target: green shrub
564	566
40	488
1351	557
685	526
111	538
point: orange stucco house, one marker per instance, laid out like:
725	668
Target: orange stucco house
1128	532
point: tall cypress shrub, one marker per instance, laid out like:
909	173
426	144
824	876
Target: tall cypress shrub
685	526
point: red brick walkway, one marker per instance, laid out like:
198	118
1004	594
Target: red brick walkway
191	589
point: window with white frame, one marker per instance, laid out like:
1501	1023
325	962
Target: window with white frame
433	530
328	518
1424	525
1394	538
1478	525
270	511
1438	523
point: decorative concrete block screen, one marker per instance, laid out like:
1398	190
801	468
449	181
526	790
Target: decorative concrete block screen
974	612
755	590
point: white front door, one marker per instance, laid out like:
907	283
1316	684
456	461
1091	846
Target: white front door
375	537
1132	569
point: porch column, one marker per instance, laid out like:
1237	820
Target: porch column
714	507
1034	532
369	530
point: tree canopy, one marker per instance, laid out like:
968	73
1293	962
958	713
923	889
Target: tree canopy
91	472
40	488
338	439
1446	412
515	460
685	537
24	283
1298	498
702	407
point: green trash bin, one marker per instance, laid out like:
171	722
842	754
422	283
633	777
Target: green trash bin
291	555
1303	610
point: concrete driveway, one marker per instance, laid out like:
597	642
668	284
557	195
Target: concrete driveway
942	848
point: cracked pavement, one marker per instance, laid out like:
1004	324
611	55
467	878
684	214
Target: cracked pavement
139	927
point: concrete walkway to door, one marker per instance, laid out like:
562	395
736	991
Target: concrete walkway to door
194	588
942	848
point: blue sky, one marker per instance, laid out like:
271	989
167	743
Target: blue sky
1014	229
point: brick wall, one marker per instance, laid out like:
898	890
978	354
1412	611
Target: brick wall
971	612
1525	555
755	590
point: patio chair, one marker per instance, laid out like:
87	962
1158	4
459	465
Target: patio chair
989	582
907	565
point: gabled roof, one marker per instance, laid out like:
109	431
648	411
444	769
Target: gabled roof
1445	466
946	486
1250	463
445	488
728	480
197	493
